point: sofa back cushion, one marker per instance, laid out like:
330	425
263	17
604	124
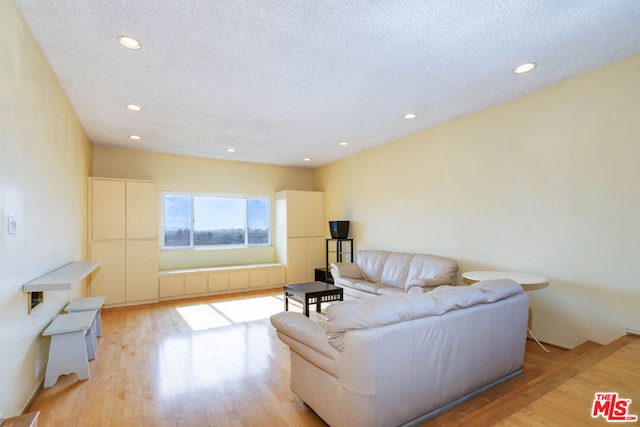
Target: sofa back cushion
395	270
498	289
346	316
425	266
371	264
449	298
375	312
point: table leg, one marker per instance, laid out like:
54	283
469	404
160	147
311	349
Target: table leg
98	324
306	306
90	342
536	340
318	304
286	302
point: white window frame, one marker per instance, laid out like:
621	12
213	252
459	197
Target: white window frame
191	245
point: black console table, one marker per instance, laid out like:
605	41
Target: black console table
322	275
311	293
341	250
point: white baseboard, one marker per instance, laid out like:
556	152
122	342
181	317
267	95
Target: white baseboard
32	396
632	331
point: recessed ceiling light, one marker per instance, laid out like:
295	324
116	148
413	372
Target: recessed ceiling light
129	42
133	107
344	143
307	159
231	150
525	68
135	137
410	116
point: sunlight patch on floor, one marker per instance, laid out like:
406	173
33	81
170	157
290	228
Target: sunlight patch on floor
202	316
224	313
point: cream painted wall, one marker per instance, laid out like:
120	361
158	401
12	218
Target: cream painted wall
546	184
45	158
196	174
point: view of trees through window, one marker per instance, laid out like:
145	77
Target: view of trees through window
201	220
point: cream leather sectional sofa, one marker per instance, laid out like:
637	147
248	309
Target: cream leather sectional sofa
390	273
403	359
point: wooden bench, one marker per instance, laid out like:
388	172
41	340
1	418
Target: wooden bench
72	345
88	304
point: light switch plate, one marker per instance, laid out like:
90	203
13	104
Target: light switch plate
12	224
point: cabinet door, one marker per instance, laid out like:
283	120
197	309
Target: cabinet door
316	225
108	209
142	210
258	278
218	281
171	285
296	260
142	270
238	279
296	214
195	283
275	276
109	279
315	256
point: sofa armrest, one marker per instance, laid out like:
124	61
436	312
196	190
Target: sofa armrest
345	269
424	285
306	338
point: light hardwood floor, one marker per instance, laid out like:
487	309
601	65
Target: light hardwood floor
557	388
217	361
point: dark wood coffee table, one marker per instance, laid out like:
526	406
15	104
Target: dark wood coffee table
311	293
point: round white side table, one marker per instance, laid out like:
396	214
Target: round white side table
529	282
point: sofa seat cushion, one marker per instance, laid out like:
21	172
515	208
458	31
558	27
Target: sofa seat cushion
454	297
368	286
347	281
390	290
425	285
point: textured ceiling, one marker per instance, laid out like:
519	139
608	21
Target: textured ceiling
287	79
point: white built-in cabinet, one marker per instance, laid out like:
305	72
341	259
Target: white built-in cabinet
219	280
123	236
300	233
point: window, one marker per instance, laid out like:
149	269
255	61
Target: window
196	220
